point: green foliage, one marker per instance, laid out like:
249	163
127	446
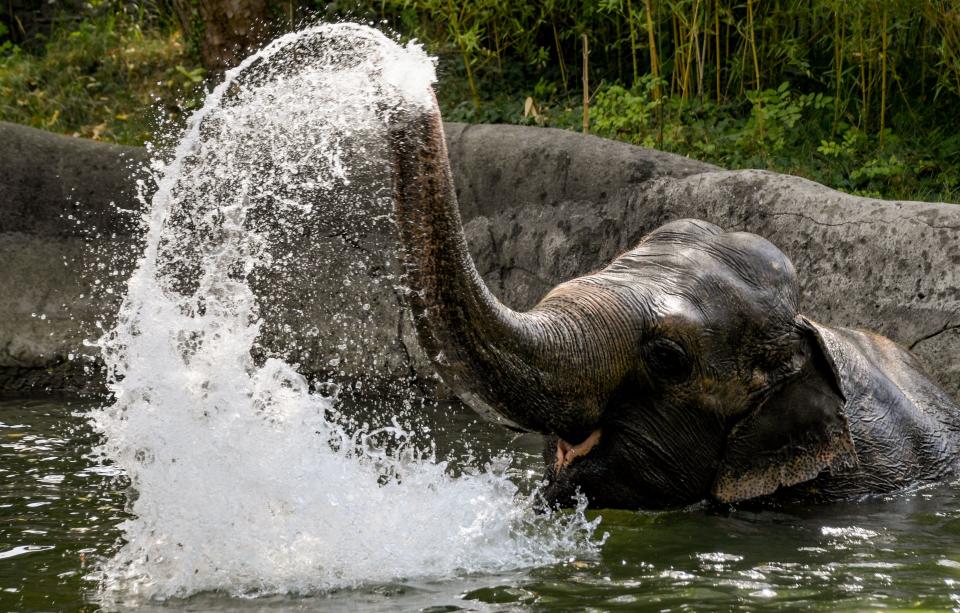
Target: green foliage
785	131
884	73
6	46
865	53
628	114
858	94
774	114
105	77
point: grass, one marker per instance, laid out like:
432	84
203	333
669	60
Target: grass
112	76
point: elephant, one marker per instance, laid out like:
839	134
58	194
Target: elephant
681	372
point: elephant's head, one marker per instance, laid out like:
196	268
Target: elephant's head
679	372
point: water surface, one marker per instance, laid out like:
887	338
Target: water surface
59	513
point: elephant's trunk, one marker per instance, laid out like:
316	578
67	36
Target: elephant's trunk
495	359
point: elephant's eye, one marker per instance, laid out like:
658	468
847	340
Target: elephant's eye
667	359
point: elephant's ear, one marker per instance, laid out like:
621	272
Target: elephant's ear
797	433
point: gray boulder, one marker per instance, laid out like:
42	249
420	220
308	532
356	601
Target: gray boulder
551	205
539	206
66	204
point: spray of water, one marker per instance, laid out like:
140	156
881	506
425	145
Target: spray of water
242	478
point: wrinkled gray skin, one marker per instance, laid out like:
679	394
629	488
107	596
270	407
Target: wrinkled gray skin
685	361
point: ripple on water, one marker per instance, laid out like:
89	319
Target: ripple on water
23	549
653	561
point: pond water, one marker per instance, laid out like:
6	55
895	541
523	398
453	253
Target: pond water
60	510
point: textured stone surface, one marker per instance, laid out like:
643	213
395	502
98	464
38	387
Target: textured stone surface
890	267
543	205
539	206
65	204
44	178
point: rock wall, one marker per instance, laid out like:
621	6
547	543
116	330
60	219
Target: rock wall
539	206
65	204
887	266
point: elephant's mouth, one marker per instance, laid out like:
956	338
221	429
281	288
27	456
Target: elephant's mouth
567	453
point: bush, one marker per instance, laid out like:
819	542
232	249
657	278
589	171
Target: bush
104	77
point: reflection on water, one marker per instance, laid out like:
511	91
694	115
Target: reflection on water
58	513
57	509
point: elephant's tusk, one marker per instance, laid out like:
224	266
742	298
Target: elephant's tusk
567	453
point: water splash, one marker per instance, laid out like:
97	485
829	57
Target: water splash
244	480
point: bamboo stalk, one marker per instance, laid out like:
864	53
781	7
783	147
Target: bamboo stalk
702	56
743	63
946	20
753	43
563	66
586	86
654	58
688	55
716	23
677	54
496	48
838	66
923	59
883	73
864	87
727	54
474	93
903	94
687	58
633	41
455	25
620	50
